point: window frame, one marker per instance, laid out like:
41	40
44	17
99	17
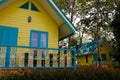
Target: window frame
39	38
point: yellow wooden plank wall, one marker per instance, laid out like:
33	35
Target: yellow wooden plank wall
13	16
81	60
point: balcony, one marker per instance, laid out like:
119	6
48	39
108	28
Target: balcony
32	57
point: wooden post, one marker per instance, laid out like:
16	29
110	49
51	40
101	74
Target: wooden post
55	59
47	60
13	57
30	58
39	57
62	58
69	58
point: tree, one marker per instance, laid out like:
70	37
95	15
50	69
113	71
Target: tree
91	13
116	27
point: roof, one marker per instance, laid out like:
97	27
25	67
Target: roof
90	47
2	1
66	28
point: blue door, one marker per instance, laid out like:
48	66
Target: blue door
8	37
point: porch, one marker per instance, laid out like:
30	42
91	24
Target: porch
32	57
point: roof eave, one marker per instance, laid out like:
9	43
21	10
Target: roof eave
63	17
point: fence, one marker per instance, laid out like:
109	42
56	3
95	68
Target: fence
24	57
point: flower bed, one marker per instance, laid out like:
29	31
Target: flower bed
81	73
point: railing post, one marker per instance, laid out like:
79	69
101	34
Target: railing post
74	52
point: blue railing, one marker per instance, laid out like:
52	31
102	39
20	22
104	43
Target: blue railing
32	57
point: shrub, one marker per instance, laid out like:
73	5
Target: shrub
81	73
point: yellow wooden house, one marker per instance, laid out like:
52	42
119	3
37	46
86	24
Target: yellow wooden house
88	53
31	23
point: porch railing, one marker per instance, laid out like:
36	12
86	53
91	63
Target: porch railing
23	57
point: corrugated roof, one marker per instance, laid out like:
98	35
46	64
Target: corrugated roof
90	47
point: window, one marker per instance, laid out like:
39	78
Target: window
25	6
103	57
32	6
39	39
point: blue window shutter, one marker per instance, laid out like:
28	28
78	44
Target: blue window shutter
4	37
8	36
25	6
33	7
12	38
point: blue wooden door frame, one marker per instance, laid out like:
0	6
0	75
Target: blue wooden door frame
8	38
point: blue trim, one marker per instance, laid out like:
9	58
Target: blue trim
47	39
7	60
39	38
61	17
40	48
39	67
74	64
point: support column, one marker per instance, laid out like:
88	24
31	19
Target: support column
21	57
13	57
2	56
69	58
62	58
47	60
39	57
30	58
55	59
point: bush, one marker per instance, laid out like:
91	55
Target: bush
81	73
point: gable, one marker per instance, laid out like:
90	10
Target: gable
52	10
15	16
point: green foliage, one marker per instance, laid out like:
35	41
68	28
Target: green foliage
91	13
116	27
